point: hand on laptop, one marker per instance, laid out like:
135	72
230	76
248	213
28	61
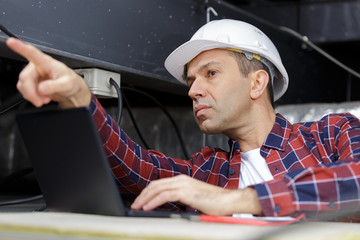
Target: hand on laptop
205	197
45	79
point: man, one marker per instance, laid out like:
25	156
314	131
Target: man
233	71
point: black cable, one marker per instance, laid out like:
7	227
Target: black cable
10	34
169	117
7	32
6	109
14	176
319	50
120	104
22	200
293	33
134	122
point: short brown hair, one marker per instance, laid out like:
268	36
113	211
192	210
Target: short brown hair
246	66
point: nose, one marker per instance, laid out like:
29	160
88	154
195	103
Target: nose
197	89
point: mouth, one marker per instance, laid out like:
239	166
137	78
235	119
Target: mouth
200	110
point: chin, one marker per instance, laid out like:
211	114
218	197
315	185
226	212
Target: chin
208	127
209	130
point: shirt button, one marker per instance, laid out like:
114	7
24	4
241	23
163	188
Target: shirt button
277	208
276	169
332	205
232	171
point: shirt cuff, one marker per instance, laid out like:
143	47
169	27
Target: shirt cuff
275	198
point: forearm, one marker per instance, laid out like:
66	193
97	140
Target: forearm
322	188
132	165
120	150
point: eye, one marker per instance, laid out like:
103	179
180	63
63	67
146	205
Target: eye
211	73
189	82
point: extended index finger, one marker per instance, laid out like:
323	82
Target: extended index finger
31	53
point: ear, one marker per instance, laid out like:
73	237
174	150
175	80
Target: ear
259	80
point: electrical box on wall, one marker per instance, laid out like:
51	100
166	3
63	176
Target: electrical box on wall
98	81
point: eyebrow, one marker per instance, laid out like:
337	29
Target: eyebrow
201	68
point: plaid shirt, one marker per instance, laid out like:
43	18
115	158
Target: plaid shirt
315	165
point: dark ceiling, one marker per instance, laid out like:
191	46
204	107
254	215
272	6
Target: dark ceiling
135	37
332	25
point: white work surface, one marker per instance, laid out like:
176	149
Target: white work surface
49	225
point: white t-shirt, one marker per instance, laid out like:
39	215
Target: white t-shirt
253	170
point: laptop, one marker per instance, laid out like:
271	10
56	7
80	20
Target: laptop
70	164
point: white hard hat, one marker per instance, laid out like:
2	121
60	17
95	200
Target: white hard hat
231	34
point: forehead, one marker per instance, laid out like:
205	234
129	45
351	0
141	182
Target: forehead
210	58
211	55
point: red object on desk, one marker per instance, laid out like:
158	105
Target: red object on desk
247	221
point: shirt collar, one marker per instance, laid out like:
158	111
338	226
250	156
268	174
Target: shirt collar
234	146
279	134
277	138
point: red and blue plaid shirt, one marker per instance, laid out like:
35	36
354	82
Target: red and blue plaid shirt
315	165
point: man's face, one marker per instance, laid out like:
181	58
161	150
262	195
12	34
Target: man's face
220	93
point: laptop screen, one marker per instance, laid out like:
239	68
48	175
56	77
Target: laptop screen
69	162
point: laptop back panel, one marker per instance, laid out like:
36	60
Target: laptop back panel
69	162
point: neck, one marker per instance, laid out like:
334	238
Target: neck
254	129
